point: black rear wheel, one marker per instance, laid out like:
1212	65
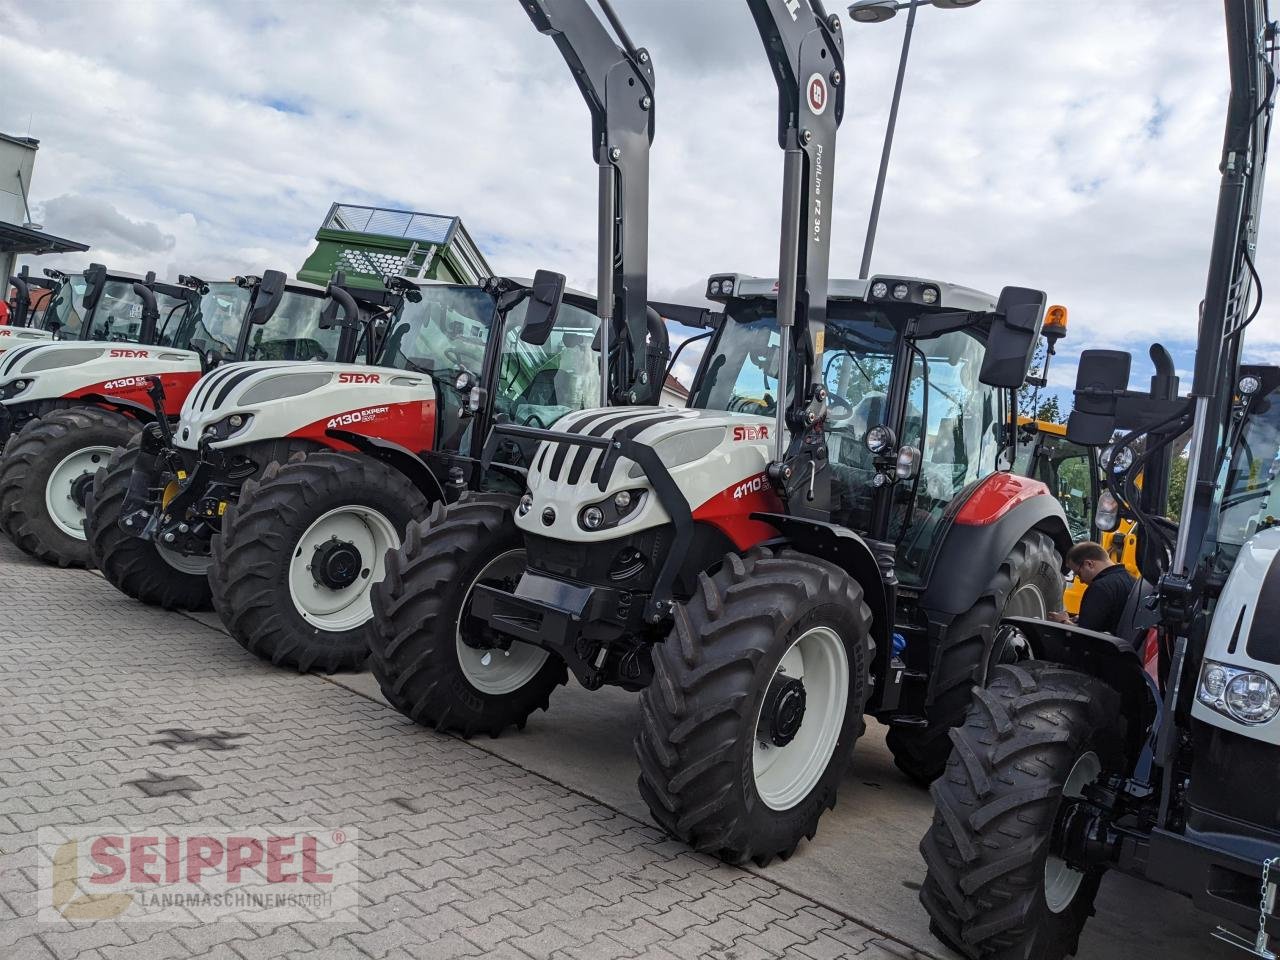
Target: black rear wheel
299	553
1036	735
436	664
755	705
137	567
46	476
1028	584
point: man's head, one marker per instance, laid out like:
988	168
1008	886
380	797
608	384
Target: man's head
1087	559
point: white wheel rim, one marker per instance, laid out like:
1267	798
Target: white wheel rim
195	566
66	514
339	609
1061	882
498	672
1027	601
785	775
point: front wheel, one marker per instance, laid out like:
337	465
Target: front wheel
755	705
435	663
996	886
298	555
46	475
138	567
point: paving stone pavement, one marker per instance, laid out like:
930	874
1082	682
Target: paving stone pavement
110	710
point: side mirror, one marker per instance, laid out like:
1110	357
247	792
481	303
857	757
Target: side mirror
1011	344
544	306
95	280
270	293
1103	375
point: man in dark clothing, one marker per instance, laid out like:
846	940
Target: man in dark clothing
1110	586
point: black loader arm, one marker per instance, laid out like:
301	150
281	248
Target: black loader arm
806	50
617	82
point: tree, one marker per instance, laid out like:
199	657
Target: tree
1177	485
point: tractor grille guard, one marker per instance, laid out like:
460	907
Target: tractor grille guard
664	486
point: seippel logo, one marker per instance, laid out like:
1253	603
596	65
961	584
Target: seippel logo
66	895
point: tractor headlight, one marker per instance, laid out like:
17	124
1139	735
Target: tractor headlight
525	505
901	291
1107	516
879	289
228	427
929	295
879	439
1246	696
611	512
13	388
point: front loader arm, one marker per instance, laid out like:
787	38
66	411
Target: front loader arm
617	81
806	50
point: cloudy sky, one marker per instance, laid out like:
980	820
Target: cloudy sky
1070	145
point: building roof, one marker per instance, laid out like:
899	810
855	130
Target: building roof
16	239
674	386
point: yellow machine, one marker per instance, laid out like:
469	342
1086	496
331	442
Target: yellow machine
1072	474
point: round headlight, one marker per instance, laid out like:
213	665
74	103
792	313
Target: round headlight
1215	682
1252	698
1117	460
236	420
929	295
593	518
879	289
1248	386
714	286
525	505
900	291
622	500
879	439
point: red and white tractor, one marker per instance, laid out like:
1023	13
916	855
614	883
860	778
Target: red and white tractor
826	532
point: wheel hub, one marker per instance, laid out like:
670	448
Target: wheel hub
336	564
783	710
80	488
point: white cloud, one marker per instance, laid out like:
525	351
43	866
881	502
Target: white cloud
1068	146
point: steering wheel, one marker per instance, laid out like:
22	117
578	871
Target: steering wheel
454	354
531	419
838	408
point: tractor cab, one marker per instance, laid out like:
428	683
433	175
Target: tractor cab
29	298
1069	470
910	423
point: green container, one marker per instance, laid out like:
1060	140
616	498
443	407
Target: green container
370	243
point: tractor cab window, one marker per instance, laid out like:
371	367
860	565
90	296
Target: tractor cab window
66	309
444	335
539	383
954	420
1250	489
742	376
293	332
214	325
118	316
1067	469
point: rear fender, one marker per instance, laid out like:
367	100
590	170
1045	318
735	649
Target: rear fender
397	457
969	555
848	551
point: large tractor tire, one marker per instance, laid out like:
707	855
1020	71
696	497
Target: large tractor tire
299	554
421	657
139	568
755	706
1028	584
46	476
1038	733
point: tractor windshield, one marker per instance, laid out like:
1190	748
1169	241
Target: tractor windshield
1250	487
214	326
293	332
65	313
539	383
118	316
443	334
